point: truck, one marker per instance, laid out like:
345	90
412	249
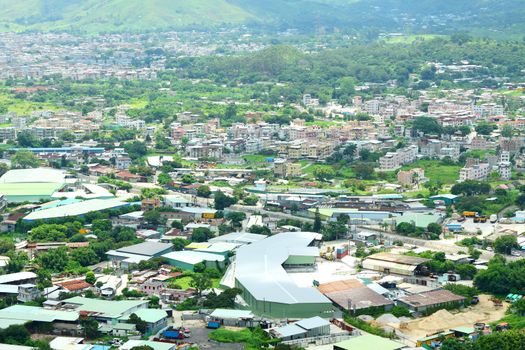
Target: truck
480	218
173	334
493	218
469	214
213	325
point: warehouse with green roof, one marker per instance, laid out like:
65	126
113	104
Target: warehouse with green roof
31	185
260	272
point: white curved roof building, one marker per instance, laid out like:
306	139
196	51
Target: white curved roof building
260	273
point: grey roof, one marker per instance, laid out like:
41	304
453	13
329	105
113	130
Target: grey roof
38	175
17	276
289	330
193	257
146	248
8	289
231	314
23	313
312	323
76	209
239	237
259	269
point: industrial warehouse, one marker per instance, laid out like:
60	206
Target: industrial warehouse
31	185
260	272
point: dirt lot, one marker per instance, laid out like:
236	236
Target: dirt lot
443	320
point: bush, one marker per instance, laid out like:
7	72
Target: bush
400	311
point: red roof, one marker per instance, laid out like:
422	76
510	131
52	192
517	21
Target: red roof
75	285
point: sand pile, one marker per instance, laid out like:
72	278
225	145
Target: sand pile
443	319
366	318
388	319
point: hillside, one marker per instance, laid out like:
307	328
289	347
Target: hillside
486	17
117	15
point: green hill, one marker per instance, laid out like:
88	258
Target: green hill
117	15
487	17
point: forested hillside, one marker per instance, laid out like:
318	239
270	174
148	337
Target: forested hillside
486	17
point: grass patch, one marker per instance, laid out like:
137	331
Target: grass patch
514	321
184	282
409	39
256	158
364	326
435	170
252	338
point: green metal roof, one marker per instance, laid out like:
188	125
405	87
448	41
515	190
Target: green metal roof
419	219
24	314
29	189
149	315
369	341
107	308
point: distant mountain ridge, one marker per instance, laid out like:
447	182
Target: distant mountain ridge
151	15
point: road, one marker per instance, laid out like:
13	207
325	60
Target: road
244	208
447	246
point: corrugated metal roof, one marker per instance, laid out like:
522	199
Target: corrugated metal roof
38	175
312	322
146	248
193	257
259	269
76	209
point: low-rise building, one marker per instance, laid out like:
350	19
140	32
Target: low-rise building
430	300
474	172
125	257
286	169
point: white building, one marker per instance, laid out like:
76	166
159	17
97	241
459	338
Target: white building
474	172
505	170
394	160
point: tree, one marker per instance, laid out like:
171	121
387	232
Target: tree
260	230
179	244
485	128
200	282
3	168
17	334
471	188
55	260
520	201
506	130
43	279
85	256
154	217
334	231
250	200
142	347
136	149
201	234
317	221
139	323
323	173
236	218
504	244
364	171
434	228
222	201
204	191
426	125
164	179
188	179
90	328
405	228
90	277
24	159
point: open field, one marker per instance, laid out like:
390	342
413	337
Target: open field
435	170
